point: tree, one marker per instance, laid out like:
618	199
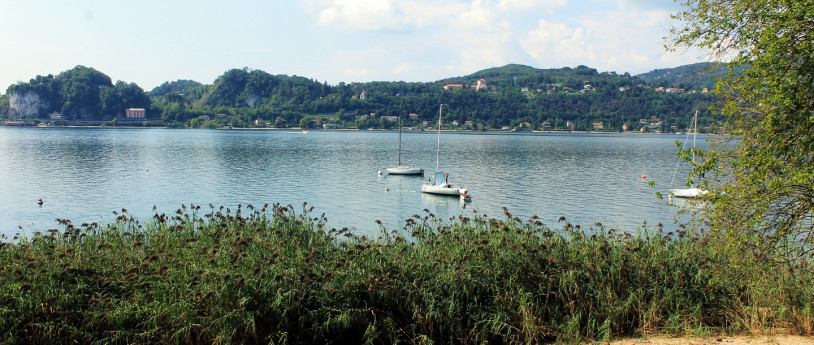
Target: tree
762	174
305	122
385	123
4	103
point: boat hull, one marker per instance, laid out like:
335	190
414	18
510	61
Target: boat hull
688	193
444	190
404	170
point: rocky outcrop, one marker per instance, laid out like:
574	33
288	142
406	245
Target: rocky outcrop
25	104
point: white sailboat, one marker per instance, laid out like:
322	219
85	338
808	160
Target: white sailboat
441	185
403	169
691	192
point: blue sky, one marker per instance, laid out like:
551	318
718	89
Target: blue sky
149	42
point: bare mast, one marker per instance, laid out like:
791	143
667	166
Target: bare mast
438	150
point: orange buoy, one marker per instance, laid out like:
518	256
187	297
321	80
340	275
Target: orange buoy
643	177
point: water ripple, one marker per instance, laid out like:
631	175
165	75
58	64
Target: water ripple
85	174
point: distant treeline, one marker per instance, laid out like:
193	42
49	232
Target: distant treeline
512	96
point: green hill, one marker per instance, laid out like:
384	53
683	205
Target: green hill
694	76
80	93
514	96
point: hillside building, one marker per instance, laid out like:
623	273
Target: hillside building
481	84
135	113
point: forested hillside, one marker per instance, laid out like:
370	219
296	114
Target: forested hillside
513	96
79	93
699	75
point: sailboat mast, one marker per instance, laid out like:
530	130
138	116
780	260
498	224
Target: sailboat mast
695	131
399	140
438	150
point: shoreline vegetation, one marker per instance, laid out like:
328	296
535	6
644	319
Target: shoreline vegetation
277	275
364	129
509	97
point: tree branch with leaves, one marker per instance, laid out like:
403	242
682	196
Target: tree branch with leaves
761	173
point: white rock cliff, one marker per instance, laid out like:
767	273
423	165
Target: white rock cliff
24	104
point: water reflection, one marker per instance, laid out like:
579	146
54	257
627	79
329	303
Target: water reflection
85	174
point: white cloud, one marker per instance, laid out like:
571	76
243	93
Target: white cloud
424	13
625	39
481	16
527	5
629	39
365	15
553	44
478	37
460	37
491	50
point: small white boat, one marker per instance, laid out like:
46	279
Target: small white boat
441	184
692	192
403	169
689	193
442	187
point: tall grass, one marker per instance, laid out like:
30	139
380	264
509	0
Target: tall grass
273	275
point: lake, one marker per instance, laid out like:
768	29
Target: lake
84	174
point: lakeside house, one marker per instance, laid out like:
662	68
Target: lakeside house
135	113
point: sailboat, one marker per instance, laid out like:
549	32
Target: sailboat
403	169
441	184
691	192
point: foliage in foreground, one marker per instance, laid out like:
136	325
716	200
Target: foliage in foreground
761	178
275	276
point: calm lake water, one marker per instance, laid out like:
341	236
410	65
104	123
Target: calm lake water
85	174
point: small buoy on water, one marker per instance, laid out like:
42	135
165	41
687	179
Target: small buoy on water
380	172
386	189
644	177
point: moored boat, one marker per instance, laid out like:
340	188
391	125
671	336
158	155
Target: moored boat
441	185
403	169
692	192
689	193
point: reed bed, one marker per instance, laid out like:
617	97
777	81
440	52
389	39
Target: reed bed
277	276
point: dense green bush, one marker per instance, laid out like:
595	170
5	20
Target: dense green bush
277	276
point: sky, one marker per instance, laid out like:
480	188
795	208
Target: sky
149	42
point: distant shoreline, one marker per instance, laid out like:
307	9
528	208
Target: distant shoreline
347	129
